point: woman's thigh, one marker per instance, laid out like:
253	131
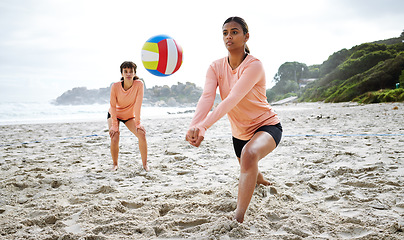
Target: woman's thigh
260	145
109	120
131	125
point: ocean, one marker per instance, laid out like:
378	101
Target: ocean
12	113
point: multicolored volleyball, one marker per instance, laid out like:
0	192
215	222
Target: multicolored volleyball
161	55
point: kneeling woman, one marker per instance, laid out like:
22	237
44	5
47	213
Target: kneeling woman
126	102
255	127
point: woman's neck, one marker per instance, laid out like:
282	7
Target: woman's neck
235	59
127	83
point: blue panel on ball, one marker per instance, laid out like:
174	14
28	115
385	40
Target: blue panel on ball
158	38
157	73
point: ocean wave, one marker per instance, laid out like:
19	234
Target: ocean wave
45	112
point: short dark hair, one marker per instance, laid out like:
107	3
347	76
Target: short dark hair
129	64
243	24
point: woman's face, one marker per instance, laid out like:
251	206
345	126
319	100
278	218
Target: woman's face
128	73
233	36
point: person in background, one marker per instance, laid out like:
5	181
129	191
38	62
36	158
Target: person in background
256	128
126	102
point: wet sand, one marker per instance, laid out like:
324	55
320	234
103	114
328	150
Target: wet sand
337	174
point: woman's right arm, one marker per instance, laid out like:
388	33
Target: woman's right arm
112	110
203	107
207	98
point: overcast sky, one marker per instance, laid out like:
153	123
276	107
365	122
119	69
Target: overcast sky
50	46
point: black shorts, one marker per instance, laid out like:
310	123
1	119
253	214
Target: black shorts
274	130
124	121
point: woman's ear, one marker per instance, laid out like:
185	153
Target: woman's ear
246	36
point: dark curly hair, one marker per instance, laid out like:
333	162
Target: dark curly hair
129	64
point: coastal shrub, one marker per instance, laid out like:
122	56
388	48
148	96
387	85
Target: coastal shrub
397	47
387	95
362	58
401	79
350	68
382	76
369	47
330	91
364	68
395	95
333	61
369	97
358	54
343	94
354	66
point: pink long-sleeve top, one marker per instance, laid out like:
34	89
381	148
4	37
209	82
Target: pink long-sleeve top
126	104
243	95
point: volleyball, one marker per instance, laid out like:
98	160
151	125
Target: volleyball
161	55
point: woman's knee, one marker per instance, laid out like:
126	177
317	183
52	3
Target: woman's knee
141	135
249	159
115	138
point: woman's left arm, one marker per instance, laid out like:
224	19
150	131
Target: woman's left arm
138	101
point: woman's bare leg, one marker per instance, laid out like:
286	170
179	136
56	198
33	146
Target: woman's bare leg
260	178
260	145
141	136
114	146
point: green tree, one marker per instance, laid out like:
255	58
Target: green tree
313	71
290	71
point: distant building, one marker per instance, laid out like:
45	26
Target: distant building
304	81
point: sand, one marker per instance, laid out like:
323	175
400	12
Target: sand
337	174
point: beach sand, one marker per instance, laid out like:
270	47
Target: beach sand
337	174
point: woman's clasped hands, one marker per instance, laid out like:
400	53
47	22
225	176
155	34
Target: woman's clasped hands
193	137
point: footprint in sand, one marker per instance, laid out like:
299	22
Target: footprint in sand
104	189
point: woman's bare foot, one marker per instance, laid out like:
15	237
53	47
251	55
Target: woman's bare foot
239	217
262	180
232	217
146	168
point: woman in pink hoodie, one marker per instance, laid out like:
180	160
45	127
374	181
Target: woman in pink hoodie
256	128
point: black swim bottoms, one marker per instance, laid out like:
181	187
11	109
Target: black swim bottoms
274	130
124	121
